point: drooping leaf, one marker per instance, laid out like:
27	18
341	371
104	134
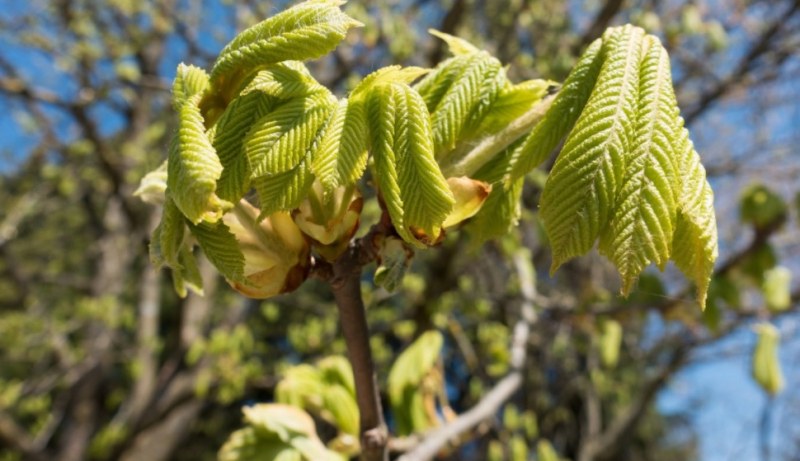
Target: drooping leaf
194	168
694	244
563	113
579	196
187	276
766	365
231	130
640	231
512	102
305	31
411	184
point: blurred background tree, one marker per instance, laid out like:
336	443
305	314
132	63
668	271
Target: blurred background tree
100	360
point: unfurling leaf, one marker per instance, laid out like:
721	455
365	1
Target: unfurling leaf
305	31
189	81
342	155
416	194
194	168
766	365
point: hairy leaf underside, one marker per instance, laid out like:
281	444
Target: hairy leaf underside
627	175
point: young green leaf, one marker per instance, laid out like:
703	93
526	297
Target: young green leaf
221	248
194	168
411	184
305	31
279	148
694	244
579	195
457	46
466	100
342	155
641	228
562	115
167	239
189	81
285	80
231	130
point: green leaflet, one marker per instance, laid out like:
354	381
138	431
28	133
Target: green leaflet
189	81
694	244
512	102
342	155
231	130
641	228
777	288
579	195
562	115
221	248
194	168
279	149
416	194
308	30
187	276
286	80
467	99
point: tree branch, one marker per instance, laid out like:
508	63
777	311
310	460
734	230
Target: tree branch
346	286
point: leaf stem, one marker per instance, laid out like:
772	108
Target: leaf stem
346	286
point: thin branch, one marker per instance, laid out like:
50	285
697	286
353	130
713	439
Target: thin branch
488	406
346	286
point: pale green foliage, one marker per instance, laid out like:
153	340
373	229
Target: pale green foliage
562	115
777	288
454	147
617	177
609	341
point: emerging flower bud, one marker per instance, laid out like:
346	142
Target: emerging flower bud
331	219
276	254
